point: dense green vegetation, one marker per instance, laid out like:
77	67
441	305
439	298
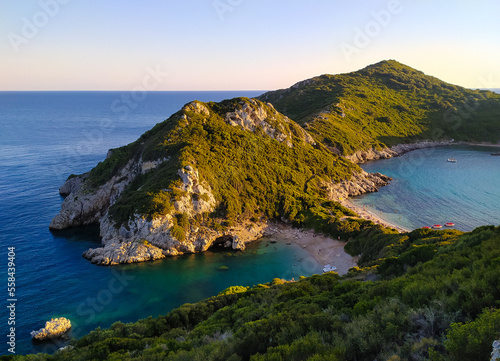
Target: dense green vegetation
251	174
385	104
436	295
254	176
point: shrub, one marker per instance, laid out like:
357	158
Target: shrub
473	340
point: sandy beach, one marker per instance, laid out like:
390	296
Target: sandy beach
323	249
365	214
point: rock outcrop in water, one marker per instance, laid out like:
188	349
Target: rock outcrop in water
54	328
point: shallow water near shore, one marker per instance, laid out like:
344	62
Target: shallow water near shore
428	190
45	137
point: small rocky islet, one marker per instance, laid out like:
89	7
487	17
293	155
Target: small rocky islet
55	328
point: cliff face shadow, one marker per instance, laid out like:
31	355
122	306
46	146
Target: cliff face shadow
88	233
222	244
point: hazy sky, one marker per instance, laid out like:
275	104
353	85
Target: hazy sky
239	44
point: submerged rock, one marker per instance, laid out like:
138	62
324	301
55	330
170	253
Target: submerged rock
54	328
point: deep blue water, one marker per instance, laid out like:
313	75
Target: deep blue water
428	190
46	136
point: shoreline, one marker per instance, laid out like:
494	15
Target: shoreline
370	216
323	249
480	144
397	151
363	156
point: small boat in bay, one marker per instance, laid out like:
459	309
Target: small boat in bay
426	227
449	224
496	154
437	226
452	160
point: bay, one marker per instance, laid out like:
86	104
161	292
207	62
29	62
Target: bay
428	190
45	137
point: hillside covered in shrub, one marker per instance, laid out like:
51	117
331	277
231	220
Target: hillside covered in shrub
417	296
385	104
267	167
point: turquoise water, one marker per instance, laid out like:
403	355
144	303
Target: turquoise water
46	136
428	190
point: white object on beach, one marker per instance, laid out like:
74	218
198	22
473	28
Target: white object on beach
328	268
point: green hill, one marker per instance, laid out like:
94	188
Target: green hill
436	296
385	104
213	173
268	167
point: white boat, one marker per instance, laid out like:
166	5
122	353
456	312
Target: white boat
451	160
328	268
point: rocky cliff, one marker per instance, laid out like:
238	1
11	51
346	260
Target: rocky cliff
86	205
359	183
143	239
211	175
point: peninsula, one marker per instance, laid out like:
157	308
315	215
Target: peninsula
217	173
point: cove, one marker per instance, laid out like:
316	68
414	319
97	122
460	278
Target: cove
428	190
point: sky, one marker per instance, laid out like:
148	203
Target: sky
240	44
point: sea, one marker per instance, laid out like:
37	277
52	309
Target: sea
428	190
45	137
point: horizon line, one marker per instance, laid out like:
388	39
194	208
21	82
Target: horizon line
131	90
